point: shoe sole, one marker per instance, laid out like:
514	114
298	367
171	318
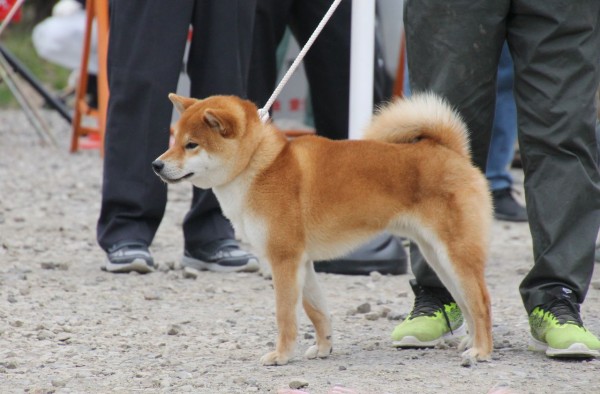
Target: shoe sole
576	350
251	266
410	342
137	265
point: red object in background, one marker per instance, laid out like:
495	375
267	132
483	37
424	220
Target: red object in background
295	104
5	7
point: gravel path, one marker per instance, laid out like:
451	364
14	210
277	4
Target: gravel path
68	327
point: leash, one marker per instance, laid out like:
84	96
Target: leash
263	113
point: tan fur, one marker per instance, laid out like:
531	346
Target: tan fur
314	199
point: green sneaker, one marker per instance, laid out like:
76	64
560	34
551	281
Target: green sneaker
435	318
557	330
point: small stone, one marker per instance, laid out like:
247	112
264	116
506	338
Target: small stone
364	308
403	294
174	330
64	337
384	311
342	368
16	323
596	285
58	383
375	276
372	316
11	298
11	364
152	296
298	384
45	334
190	273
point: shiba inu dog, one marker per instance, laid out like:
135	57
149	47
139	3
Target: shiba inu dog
315	199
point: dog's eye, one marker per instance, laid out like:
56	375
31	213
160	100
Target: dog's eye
191	145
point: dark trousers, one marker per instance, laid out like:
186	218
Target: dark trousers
146	49
453	49
327	63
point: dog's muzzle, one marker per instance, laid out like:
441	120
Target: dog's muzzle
159	166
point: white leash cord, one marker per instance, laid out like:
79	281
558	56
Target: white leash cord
263	113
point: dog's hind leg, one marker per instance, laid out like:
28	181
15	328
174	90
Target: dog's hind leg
288	280
466	282
316	309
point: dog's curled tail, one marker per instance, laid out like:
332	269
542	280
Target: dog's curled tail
421	116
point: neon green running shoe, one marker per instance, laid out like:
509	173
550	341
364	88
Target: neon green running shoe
435	318
557	330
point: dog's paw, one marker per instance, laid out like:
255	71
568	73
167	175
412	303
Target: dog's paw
470	357
314	351
273	358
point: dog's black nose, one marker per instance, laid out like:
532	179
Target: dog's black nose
158	165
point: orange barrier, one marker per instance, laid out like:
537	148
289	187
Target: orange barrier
94	134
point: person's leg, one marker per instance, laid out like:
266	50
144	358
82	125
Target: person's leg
327	64
556	50
147	41
502	146
270	22
453	50
504	131
218	63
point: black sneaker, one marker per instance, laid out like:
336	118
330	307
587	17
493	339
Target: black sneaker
128	256
222	255
506	207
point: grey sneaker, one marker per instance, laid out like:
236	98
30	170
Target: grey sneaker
222	255
128	256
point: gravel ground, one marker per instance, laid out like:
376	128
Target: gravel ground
68	327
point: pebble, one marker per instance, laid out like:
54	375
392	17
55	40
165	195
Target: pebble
364	308
372	316
174	329
298	384
152	296
375	276
190	273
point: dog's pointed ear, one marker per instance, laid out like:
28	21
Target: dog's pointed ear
216	120
181	103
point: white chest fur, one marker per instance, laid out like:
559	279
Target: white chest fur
233	198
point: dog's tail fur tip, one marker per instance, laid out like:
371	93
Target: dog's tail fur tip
421	116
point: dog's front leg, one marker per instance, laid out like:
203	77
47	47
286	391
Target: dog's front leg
287	281
316	309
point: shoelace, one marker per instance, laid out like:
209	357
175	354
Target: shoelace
427	304
565	311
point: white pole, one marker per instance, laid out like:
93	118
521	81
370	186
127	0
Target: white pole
362	55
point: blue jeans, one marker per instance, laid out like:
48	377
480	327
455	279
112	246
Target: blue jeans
504	131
